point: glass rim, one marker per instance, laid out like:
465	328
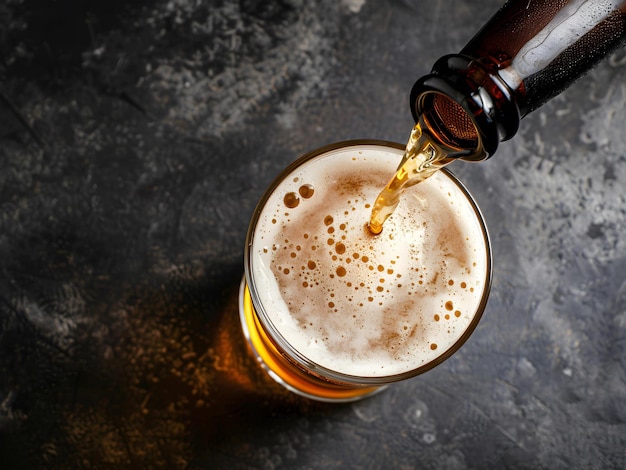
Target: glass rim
300	358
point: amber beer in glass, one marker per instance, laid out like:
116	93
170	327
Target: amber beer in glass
335	313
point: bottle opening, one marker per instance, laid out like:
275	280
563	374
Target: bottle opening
449	122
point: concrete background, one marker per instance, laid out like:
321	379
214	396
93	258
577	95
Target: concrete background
136	138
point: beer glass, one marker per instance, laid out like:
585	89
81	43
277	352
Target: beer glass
335	313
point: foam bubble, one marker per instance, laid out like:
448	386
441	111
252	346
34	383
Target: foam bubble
361	304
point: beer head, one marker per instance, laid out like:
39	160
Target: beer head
350	304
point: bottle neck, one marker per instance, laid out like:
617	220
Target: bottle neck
525	55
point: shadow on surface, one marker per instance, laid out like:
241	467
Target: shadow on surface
153	373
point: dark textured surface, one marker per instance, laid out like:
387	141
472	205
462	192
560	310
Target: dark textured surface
135	140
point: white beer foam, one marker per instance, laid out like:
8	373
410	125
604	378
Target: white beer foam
360	304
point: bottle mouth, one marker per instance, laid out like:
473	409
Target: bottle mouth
450	124
449	121
465	106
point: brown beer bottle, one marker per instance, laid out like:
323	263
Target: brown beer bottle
526	54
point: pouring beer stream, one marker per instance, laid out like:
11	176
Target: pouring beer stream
422	158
